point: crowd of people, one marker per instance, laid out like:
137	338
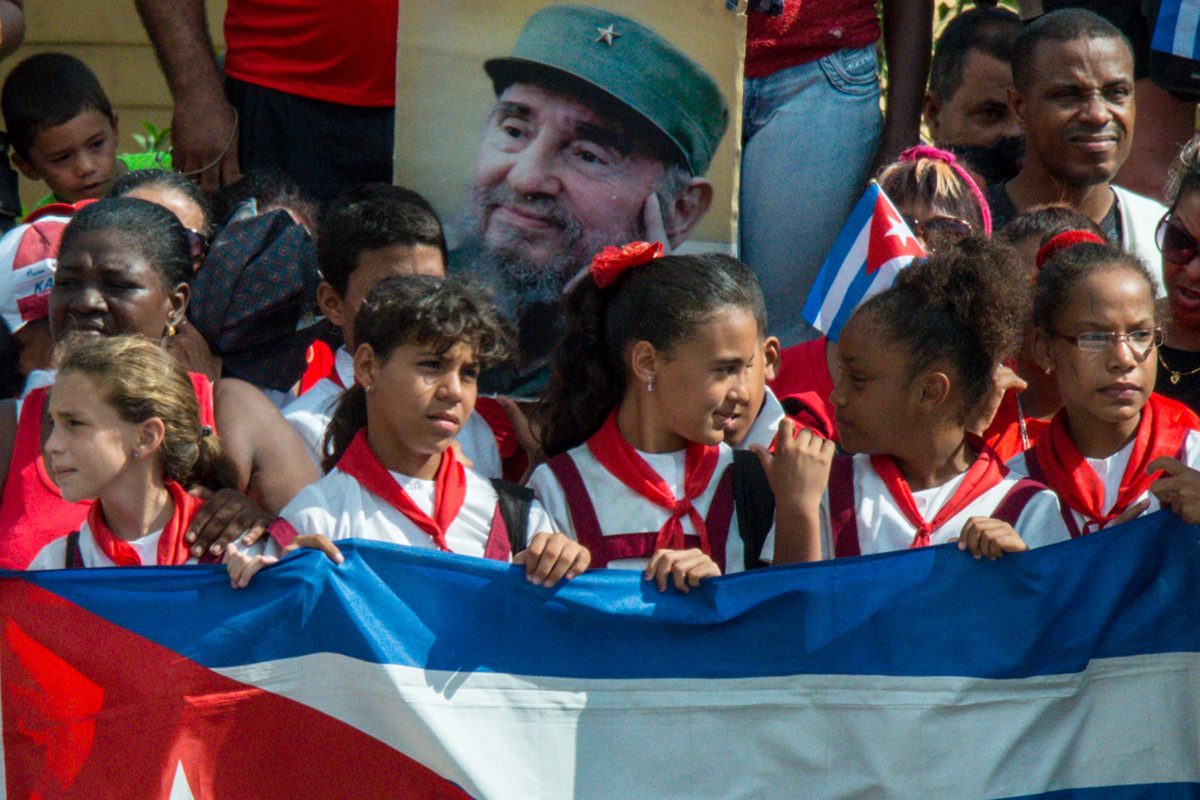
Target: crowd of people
230	370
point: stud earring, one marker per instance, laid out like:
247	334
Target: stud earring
136	455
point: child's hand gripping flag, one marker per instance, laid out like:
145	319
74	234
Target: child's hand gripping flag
874	245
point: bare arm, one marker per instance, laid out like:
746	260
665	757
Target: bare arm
271	462
203	123
12	26
908	40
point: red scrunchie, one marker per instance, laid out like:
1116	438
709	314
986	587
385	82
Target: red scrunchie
609	263
1063	241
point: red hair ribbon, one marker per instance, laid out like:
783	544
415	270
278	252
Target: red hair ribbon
1063	241
609	263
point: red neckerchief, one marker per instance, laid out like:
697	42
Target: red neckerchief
1160	432
618	457
172	549
450	487
986	471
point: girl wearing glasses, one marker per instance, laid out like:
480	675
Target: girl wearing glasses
1179	357
1116	450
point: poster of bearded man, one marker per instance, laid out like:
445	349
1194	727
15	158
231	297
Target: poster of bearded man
542	133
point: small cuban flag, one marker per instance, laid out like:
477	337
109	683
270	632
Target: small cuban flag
1177	30
874	245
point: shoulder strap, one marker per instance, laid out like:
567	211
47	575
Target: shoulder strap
754	504
1034	469
74	558
1010	507
842	510
579	503
514	502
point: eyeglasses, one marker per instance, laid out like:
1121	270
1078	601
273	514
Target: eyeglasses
1140	342
940	229
1177	245
198	242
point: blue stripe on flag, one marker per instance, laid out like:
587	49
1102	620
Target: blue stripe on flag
858	290
1125	591
1164	29
859	217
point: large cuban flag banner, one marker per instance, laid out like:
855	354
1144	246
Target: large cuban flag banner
871	249
1068	672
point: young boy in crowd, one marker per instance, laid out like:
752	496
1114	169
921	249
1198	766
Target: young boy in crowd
63	129
370	233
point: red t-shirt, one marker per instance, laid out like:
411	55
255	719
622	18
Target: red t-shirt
806	31
338	52
803	378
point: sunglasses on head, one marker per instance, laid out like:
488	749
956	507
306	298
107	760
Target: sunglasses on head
1176	244
940	228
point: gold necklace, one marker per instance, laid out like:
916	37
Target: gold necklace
1175	376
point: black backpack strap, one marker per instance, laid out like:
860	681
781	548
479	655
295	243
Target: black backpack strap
754	504
74	558
515	503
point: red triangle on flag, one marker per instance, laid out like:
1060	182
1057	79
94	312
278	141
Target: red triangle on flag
92	710
890	236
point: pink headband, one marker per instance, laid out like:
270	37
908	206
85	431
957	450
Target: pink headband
609	263
947	158
1063	241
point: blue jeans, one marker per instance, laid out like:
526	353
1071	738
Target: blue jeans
809	135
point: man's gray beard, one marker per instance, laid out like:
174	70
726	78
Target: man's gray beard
516	281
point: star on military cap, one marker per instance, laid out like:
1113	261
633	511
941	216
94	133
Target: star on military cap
606	35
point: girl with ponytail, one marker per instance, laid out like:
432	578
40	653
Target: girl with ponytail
393	473
127	433
917	361
652	372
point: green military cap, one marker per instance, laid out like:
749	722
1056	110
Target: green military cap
628	61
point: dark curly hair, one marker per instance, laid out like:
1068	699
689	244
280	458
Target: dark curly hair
406	309
1063	272
967	305
663	303
151	230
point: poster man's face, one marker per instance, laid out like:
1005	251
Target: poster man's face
556	179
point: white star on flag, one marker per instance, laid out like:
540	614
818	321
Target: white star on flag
180	789
900	228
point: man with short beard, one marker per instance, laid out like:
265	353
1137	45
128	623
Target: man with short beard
600	134
1073	95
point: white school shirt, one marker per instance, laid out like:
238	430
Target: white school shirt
310	413
1110	471
882	526
338	506
54	554
619	509
765	424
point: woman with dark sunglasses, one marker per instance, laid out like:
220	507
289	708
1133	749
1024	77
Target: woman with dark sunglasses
1176	237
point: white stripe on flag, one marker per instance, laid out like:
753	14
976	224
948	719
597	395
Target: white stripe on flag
841	283
1121	721
1186	28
